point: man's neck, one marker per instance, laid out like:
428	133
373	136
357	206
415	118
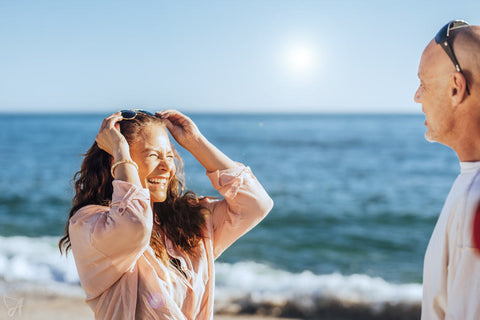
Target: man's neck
467	142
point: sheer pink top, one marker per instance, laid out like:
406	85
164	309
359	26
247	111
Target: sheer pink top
118	269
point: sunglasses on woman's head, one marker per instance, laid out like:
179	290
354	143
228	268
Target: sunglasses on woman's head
444	39
132	113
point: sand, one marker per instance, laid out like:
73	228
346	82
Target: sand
24	300
33	306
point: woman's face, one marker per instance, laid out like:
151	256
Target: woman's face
154	156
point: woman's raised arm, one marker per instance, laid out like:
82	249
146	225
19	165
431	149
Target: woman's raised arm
245	201
186	133
111	140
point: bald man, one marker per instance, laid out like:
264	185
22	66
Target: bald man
449	92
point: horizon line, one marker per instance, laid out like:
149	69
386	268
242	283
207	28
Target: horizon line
222	112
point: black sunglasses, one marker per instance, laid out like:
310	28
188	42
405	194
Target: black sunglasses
443	38
132	113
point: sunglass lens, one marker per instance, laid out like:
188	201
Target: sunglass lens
442	34
128	114
458	24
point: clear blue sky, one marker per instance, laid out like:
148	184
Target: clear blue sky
352	56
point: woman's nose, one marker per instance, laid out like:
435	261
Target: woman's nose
164	165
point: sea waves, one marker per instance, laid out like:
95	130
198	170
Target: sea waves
242	287
249	287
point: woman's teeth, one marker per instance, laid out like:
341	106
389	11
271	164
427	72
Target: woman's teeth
160	181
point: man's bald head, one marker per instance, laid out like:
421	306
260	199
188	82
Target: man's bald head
452	115
436	66
435	63
466	45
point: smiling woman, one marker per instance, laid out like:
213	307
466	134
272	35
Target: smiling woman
154	154
144	248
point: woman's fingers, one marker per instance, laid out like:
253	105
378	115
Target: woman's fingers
166	113
176	118
182	128
109	136
111	120
173	116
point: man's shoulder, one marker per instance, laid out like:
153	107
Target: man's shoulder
474	186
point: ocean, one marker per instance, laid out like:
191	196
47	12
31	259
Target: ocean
356	200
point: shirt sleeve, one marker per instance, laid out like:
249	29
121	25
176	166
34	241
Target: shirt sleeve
126	228
107	242
244	205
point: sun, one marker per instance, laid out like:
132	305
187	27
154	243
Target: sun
300	58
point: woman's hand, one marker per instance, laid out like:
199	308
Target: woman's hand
186	133
182	128
111	140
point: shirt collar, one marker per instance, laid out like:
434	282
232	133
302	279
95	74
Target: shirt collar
467	167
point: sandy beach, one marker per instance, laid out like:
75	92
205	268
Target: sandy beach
43	301
34	306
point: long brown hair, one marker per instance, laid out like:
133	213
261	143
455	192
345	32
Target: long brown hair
180	217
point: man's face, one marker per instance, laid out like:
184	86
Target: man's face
432	93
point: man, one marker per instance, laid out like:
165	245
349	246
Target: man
449	92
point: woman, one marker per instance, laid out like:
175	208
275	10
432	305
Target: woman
143	249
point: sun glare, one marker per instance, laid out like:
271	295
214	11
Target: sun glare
300	58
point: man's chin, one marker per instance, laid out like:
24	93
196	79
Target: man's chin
429	137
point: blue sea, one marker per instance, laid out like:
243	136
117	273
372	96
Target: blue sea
356	200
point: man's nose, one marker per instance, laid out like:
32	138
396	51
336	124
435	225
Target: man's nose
417	95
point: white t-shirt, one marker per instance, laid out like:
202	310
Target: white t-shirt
451	273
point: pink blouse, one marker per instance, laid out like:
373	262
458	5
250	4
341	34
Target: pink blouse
118	269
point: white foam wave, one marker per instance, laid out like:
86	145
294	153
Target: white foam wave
257	284
34	260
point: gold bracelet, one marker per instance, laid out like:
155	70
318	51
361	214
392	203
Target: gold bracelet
121	162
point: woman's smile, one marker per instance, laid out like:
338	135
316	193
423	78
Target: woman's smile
158	181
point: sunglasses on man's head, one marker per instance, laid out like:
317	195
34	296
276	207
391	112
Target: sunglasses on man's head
444	39
132	113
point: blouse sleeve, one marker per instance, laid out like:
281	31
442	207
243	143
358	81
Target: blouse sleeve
106	242
244	205
127	227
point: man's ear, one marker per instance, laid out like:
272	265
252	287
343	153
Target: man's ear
458	88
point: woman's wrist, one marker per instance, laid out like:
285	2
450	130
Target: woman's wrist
122	162
196	144
209	156
121	153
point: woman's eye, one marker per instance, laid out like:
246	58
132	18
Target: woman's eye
153	155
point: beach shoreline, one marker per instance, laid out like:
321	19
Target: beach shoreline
41	303
52	307
18	304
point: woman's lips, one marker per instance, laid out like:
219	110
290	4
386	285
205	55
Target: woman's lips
160	181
